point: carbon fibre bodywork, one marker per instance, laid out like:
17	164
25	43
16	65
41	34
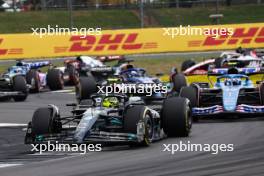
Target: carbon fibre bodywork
90	123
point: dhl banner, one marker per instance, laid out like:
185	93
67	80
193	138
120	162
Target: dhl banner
131	41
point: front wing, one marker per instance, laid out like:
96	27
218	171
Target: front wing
217	109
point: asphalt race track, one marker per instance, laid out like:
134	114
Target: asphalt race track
247	135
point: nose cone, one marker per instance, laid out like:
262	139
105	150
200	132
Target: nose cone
230	97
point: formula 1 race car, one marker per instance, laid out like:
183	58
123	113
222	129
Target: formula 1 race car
232	93
246	64
35	79
112	119
87	66
128	77
14	86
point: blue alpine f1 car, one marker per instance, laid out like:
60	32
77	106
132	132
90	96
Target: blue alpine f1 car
232	94
35	79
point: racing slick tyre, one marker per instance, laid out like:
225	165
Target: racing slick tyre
85	88
179	81
32	79
44	122
187	64
261	92
3	99
191	94
176	117
73	75
55	79
133	117
20	85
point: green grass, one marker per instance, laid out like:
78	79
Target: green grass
200	15
108	19
160	65
3	67
22	22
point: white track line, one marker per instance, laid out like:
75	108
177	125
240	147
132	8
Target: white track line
12	125
62	91
10	165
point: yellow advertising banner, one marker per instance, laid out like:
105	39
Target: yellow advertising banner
134	41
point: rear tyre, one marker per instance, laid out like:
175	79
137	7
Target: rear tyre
73	75
33	80
44	122
136	115
85	88
55	79
20	85
176	117
191	94
3	99
179	81
187	64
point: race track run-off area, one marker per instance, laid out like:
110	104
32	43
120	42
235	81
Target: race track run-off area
17	158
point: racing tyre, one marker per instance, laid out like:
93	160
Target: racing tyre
187	64
32	79
55	79
44	122
176	117
73	75
261	91
85	88
179	81
190	92
20	85
3	99
138	119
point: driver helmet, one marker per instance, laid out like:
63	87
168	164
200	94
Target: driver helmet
236	82
134	73
18	70
228	82
126	66
110	102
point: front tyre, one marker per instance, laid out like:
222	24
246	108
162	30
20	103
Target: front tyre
261	92
176	117
85	88
20	85
138	120
179	81
44	121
